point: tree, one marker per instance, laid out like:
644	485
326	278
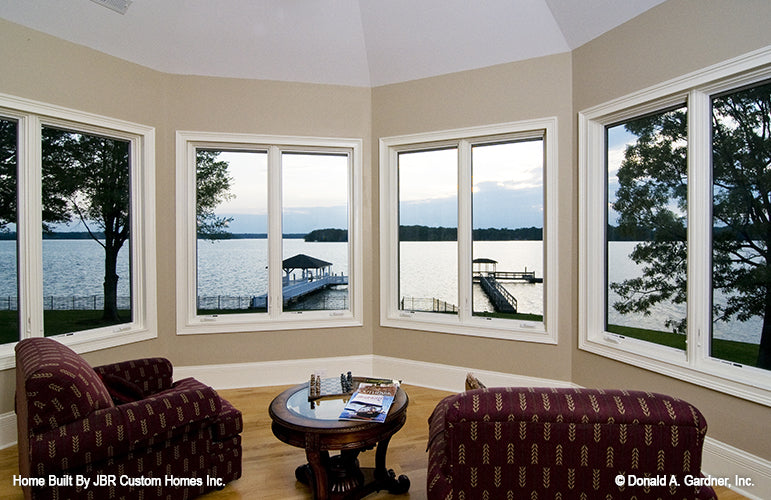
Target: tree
212	188
652	196
87	178
8	175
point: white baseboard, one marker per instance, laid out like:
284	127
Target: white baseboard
721	460
718	459
7	429
269	373
453	378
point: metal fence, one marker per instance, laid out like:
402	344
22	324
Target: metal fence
325	301
222	302
426	305
321	301
67	303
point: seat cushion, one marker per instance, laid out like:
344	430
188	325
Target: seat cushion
229	422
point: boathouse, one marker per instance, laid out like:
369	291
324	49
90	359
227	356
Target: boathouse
311	267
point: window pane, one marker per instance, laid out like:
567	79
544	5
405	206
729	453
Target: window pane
315	190
86	231
232	227
9	294
741	206
508	229
428	230
646	228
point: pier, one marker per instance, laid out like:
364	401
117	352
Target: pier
486	274
315	275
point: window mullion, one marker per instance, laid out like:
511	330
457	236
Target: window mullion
465	250
29	236
699	228
275	234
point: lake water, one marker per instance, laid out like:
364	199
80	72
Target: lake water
238	268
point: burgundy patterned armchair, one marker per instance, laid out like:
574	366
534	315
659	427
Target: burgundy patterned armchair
542	443
126	425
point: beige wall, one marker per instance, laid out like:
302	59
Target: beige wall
43	68
537	88
669	41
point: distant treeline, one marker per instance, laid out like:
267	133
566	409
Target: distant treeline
83	235
248	236
75	235
327	235
413	233
425	233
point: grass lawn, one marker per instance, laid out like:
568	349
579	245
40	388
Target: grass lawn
728	350
57	322
521	316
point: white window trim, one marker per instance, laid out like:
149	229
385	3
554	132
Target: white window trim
465	323
188	321
31	115
694	365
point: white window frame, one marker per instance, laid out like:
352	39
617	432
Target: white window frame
465	322
188	320
694	364
31	116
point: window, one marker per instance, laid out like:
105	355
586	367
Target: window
76	246
468	239
9	305
271	232
646	247
674	228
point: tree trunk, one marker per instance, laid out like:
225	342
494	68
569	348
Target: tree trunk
111	285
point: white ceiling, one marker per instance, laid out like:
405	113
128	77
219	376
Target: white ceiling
347	42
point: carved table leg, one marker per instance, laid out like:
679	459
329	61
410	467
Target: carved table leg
315	470
387	477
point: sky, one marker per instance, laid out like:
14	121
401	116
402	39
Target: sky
314	192
508	189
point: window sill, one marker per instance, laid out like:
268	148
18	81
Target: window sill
238	323
83	342
673	363
526	331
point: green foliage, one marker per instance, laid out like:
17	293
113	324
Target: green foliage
425	233
212	188
87	178
327	235
8	173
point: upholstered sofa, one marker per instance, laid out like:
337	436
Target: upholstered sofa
128	426
539	443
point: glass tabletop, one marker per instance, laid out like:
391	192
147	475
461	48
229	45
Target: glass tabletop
327	408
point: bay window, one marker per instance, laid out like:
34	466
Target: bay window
675	201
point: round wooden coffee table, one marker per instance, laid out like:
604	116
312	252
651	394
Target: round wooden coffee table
316	428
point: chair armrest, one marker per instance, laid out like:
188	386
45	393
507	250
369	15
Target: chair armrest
150	374
115	431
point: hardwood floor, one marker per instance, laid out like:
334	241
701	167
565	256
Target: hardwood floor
268	464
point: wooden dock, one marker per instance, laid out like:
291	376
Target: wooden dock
485	273
500	298
528	276
295	290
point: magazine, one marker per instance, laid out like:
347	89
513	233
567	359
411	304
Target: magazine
370	402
